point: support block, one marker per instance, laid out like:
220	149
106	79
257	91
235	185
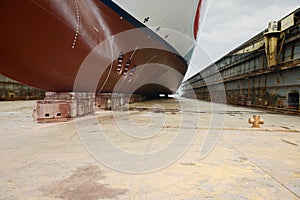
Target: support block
59	107
116	101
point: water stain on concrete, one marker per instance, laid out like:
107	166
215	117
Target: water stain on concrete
84	183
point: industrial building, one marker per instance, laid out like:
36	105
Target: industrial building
264	71
13	90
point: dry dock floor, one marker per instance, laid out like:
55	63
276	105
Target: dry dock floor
210	153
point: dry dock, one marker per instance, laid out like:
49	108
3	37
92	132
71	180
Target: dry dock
264	71
51	161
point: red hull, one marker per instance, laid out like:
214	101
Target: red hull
44	44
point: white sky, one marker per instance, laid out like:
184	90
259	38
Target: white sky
229	23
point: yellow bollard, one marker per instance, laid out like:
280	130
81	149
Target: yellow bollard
256	121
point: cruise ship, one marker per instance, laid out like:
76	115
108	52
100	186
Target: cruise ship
103	46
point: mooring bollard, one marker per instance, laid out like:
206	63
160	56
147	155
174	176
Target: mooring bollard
256	121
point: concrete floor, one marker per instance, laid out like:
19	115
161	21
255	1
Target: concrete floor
181	149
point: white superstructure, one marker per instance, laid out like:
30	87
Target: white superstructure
172	20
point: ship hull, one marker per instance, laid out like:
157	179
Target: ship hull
80	46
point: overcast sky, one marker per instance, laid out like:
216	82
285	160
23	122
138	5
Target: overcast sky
229	23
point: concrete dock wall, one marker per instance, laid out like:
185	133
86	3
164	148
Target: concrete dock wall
247	76
12	90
